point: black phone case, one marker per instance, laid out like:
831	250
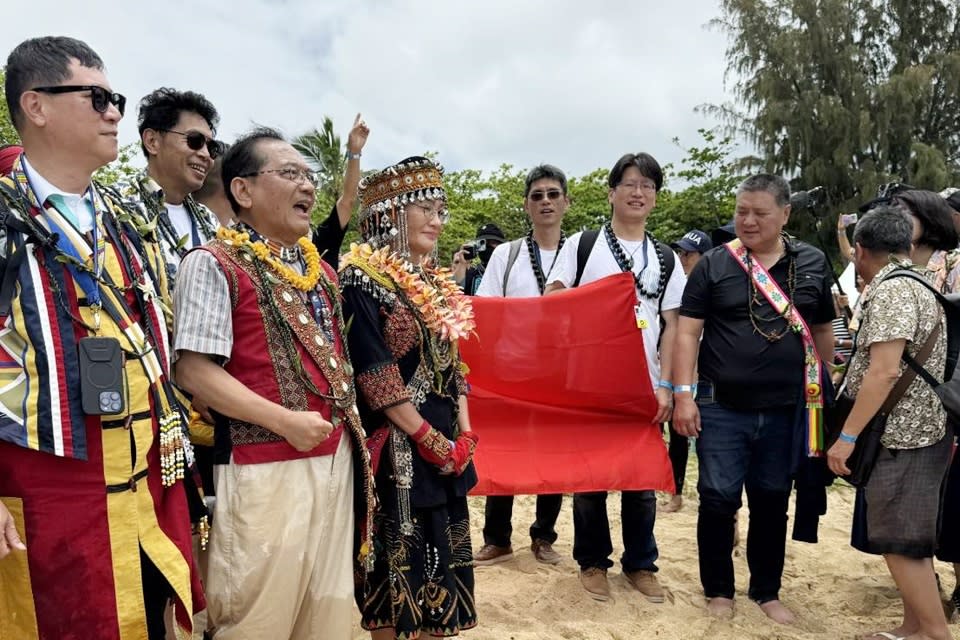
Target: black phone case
101	376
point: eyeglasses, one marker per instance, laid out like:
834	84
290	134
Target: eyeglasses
100	98
442	214
553	194
645	185
196	140
293	174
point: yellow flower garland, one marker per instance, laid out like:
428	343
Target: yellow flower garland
311	256
441	302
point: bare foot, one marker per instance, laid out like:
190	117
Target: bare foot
720	608
777	612
673	505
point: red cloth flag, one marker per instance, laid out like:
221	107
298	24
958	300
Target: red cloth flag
560	394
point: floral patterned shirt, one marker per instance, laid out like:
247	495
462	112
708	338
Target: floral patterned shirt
896	309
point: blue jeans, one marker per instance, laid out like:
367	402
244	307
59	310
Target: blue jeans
591	530
737	449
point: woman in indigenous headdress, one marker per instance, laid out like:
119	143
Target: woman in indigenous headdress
405	317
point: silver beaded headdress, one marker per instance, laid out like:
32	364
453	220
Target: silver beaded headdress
383	197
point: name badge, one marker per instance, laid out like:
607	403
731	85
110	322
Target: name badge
638	315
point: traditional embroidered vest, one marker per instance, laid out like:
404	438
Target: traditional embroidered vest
260	361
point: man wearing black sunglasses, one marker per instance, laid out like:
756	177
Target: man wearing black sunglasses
87	400
517	269
177	131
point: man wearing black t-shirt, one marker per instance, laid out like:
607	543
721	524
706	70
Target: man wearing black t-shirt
749	406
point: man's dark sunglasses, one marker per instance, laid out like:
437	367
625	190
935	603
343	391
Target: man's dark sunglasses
553	194
196	140
99	97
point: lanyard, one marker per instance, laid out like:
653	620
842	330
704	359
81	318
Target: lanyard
68	238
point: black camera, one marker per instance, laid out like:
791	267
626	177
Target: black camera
474	248
811	200
885	195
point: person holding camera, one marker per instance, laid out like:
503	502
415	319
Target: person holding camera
467	275
520	268
762	304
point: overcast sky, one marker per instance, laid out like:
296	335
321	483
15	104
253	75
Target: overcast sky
570	82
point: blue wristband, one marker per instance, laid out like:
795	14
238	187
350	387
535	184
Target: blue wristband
665	384
685	388
843	437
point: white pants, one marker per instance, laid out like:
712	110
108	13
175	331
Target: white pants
281	546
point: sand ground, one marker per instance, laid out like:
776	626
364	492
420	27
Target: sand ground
835	590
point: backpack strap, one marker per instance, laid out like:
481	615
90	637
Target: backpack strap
917	363
587	239
515	246
669	263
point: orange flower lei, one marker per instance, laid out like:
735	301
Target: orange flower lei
311	256
441	302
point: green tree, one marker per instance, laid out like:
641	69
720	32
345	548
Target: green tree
122	169
8	135
847	94
710	175
323	152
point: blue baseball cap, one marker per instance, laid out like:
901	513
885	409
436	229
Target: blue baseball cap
695	240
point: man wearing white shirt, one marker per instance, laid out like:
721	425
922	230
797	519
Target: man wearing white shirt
521	268
623	244
177	131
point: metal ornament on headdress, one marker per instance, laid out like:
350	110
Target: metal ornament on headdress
383	197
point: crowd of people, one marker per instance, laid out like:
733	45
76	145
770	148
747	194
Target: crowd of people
207	405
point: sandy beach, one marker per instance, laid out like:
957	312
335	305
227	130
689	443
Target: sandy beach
836	591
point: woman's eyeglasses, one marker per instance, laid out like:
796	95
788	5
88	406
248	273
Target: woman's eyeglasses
196	140
442	214
100	98
553	194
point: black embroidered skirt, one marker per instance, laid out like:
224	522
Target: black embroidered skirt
423	582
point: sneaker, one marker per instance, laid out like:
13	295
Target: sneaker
594	580
646	583
492	554
543	552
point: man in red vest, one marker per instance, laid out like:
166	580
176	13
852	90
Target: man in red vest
258	340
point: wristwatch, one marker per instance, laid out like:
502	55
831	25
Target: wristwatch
353	156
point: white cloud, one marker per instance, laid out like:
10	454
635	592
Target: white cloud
571	83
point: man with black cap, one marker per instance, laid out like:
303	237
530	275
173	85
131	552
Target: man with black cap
691	247
489	237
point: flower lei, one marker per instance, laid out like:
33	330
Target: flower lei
305	282
441	302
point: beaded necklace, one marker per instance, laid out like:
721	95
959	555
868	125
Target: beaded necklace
625	262
534	252
755	301
151	194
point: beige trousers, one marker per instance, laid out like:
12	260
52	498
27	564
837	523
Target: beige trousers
280	554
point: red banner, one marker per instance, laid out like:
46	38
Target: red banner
560	394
